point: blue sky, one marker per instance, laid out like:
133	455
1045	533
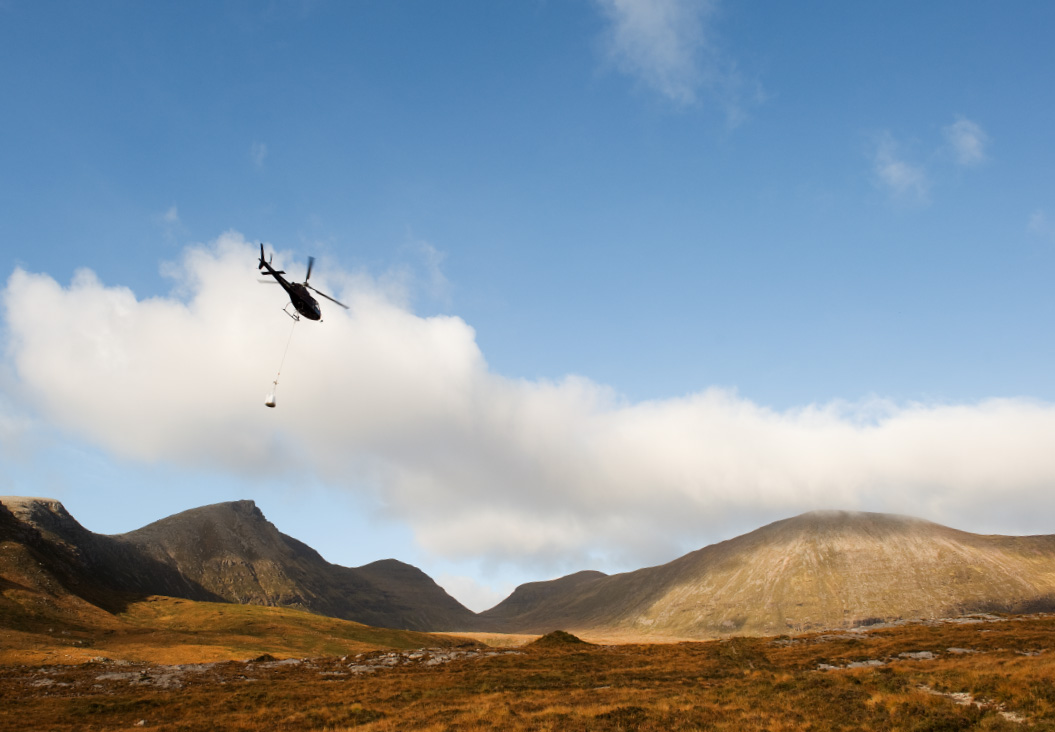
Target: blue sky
826	220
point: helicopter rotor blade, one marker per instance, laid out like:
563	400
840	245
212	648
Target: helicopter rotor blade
311	263
331	299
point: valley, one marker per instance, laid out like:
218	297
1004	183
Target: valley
213	619
819	570
982	672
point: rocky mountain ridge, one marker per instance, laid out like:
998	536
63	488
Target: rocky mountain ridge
818	570
229	552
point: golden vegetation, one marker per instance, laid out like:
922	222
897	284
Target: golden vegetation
169	630
824	569
994	674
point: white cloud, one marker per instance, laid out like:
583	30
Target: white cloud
15	429
471	593
258	154
911	182
904	181
171	223
418	273
562	474
967	140
1040	225
669	45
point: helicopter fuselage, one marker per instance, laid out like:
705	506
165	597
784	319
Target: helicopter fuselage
305	304
302	300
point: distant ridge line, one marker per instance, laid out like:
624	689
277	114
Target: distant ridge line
821	569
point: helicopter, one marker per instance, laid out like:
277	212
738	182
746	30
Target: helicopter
298	293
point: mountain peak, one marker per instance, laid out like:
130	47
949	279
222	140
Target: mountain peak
827	525
842	517
822	569
226	551
27	505
47	515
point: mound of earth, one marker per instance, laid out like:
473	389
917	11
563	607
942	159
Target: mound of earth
558	639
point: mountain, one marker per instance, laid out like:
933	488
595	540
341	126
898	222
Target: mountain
43	583
233	551
818	570
224	552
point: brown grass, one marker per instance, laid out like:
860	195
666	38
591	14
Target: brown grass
735	684
494	640
168	630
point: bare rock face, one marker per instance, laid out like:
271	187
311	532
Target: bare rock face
233	552
46	514
820	570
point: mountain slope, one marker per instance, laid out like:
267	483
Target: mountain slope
100	569
43	584
818	570
231	552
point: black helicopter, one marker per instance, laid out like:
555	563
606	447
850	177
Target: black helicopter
299	296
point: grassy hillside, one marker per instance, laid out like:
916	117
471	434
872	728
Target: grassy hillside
169	630
819	570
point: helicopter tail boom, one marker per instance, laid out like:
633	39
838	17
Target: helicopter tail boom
267	263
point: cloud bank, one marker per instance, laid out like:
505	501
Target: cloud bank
904	181
669	45
911	182
1041	225
968	142
258	154
404	408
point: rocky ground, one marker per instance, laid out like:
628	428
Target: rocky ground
982	672
105	675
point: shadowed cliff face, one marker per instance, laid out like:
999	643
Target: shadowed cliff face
42	581
819	570
104	570
231	552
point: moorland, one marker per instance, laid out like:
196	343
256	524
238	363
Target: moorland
181	665
213	619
